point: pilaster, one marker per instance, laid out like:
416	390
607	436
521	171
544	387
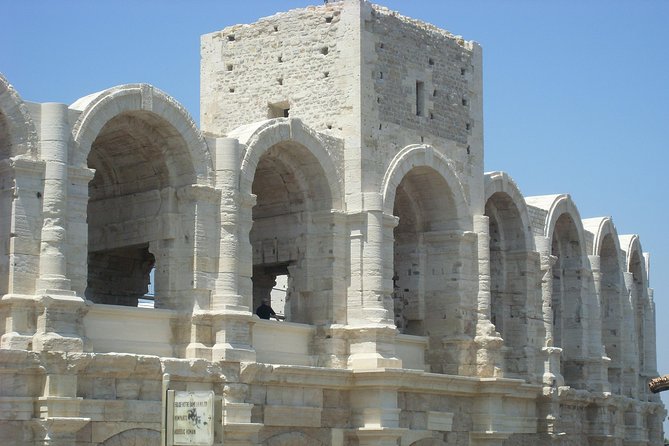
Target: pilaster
238	430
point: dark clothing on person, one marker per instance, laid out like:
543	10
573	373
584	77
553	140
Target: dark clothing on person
264	311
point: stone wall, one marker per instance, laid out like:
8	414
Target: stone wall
291	60
428	303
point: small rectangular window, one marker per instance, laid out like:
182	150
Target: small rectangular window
279	110
420	98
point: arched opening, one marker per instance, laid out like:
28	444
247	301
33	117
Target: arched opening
509	265
567	300
426	261
292	235
612	287
138	222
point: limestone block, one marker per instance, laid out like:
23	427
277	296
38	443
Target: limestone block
234	413
276	415
16	408
439	421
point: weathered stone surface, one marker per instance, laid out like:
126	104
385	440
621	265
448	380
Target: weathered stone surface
424	302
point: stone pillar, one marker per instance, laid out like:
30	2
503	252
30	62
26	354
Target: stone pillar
17	306
238	430
58	409
597	374
230	308
551	377
375	297
77	227
549	407
55	137
226	293
651	339
61	310
60	431
489	357
377	416
370	315
206	203
593	329
630	347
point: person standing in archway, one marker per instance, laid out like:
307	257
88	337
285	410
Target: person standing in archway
265	311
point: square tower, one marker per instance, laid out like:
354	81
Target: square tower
356	71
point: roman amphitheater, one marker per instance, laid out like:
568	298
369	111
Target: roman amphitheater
427	303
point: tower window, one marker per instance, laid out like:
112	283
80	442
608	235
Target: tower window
420	98
279	110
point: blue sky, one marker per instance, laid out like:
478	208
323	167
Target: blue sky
576	93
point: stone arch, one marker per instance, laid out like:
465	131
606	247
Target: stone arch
501	182
18	134
612	295
571	300
146	153
513	302
292	439
432	252
259	138
99	108
563	204
134	437
291	173
417	155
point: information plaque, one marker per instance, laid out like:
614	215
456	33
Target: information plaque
193	418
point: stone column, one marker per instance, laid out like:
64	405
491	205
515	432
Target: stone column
549	406
489	357
651	337
55	137
238	430
597	375
370	316
552	377
226	294
376	307
59	323
630	348
230	308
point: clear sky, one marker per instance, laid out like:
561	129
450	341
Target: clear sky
576	93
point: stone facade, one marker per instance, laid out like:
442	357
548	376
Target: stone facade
341	147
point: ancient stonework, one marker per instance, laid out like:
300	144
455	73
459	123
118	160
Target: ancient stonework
340	154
